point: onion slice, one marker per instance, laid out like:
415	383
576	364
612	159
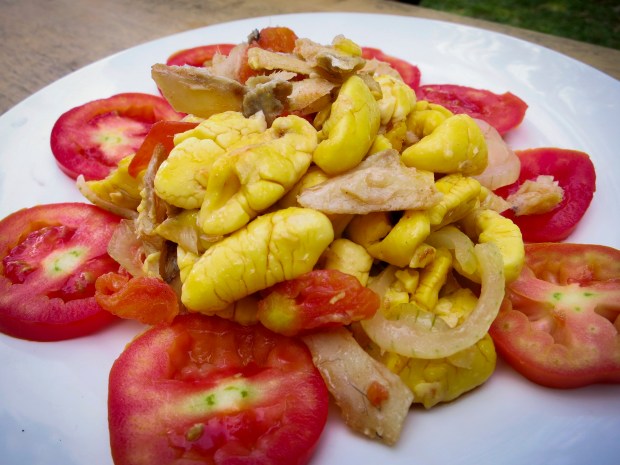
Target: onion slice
423	335
503	166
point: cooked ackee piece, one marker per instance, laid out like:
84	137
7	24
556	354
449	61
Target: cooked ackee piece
489	226
246	181
350	129
456	145
272	248
461	194
539	196
347	256
198	91
373	400
379	183
426	117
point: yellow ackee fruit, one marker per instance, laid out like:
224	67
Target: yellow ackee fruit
350	128
272	248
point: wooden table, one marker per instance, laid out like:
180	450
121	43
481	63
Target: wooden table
43	41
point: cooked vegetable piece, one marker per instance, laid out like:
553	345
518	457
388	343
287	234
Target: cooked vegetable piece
502	111
350	129
209	390
456	145
574	171
316	300
559	322
373	400
51	256
272	248
146	299
420	334
92	138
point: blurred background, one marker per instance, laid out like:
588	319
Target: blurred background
596	22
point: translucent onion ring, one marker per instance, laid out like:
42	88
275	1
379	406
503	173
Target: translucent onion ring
428	337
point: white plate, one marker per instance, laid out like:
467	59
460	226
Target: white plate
53	395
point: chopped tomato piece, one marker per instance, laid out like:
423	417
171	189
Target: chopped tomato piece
162	132
51	256
92	138
574	172
148	300
198	56
276	39
409	73
559	324
502	111
314	300
208	390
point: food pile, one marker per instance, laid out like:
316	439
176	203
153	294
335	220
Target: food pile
297	222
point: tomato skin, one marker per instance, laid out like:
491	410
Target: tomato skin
92	138
315	300
502	111
212	391
146	299
556	326
198	56
410	73
162	132
575	174
46	294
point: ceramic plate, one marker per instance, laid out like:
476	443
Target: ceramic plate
53	395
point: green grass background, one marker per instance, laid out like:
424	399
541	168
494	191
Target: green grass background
596	22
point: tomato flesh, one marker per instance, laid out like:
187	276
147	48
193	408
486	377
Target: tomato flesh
162	132
502	111
316	300
146	299
92	138
212	391
575	174
559	324
409	73
51	256
198	56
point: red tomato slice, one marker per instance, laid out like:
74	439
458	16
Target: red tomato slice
317	299
51	256
92	138
162	132
207	390
198	56
410	73
559	324
504	112
575	174
143	298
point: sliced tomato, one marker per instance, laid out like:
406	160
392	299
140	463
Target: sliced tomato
559	326
198	56
51	256
315	300
208	390
575	174
146	299
502	111
92	138
162	132
408	72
